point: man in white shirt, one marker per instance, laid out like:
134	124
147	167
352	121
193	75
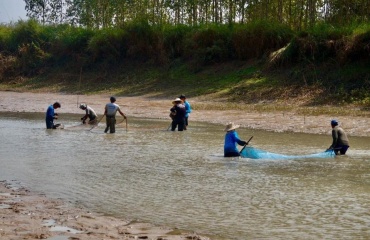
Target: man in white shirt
110	114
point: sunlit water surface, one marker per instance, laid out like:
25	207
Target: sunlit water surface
180	179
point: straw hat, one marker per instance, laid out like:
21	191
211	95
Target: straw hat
231	126
177	100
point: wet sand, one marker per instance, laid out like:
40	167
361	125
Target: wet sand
28	215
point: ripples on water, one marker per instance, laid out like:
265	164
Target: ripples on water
180	179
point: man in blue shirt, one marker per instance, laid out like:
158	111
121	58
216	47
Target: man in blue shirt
231	141
51	115
187	109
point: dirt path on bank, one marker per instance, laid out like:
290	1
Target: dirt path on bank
147	107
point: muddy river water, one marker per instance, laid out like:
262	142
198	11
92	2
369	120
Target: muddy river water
180	179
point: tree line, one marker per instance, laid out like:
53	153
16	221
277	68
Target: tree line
297	14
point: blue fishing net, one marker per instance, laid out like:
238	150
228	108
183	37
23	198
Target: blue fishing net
255	153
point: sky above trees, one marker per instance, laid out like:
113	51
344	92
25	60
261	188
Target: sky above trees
12	11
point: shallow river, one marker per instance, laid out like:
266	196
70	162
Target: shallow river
180	179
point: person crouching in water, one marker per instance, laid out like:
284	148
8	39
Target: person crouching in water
89	114
231	141
110	113
340	141
177	114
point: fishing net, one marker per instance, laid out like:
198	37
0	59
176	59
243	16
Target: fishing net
255	153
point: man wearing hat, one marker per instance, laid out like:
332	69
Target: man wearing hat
231	141
110	114
187	109
51	115
178	113
340	141
89	113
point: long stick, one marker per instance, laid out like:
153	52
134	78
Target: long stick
97	123
79	89
169	126
246	144
126	125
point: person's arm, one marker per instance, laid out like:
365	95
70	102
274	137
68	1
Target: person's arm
50	114
239	141
188	107
120	112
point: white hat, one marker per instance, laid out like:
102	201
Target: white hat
176	100
231	126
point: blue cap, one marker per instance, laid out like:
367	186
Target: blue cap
334	122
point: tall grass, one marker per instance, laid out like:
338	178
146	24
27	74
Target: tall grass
325	55
255	39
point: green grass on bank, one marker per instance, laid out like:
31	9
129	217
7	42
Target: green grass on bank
259	66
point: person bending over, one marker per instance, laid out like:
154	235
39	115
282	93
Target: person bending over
340	142
89	114
51	115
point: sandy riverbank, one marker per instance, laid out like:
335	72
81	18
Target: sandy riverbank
27	215
158	108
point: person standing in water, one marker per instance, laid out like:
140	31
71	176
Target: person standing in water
231	141
51	115
110	113
187	109
177	114
340	142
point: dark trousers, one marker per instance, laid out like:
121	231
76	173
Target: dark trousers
341	150
231	154
49	123
179	123
111	124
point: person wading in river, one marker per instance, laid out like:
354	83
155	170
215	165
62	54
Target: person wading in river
51	115
177	114
231	141
340	142
187	109
89	114
110	113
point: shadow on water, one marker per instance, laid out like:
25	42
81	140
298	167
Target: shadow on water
180	179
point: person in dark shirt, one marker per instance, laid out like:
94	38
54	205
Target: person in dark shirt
51	115
340	142
177	114
187	109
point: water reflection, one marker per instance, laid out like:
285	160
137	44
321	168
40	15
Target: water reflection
180	179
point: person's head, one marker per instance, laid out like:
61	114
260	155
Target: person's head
177	101
56	105
182	97
231	127
112	99
334	123
83	106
